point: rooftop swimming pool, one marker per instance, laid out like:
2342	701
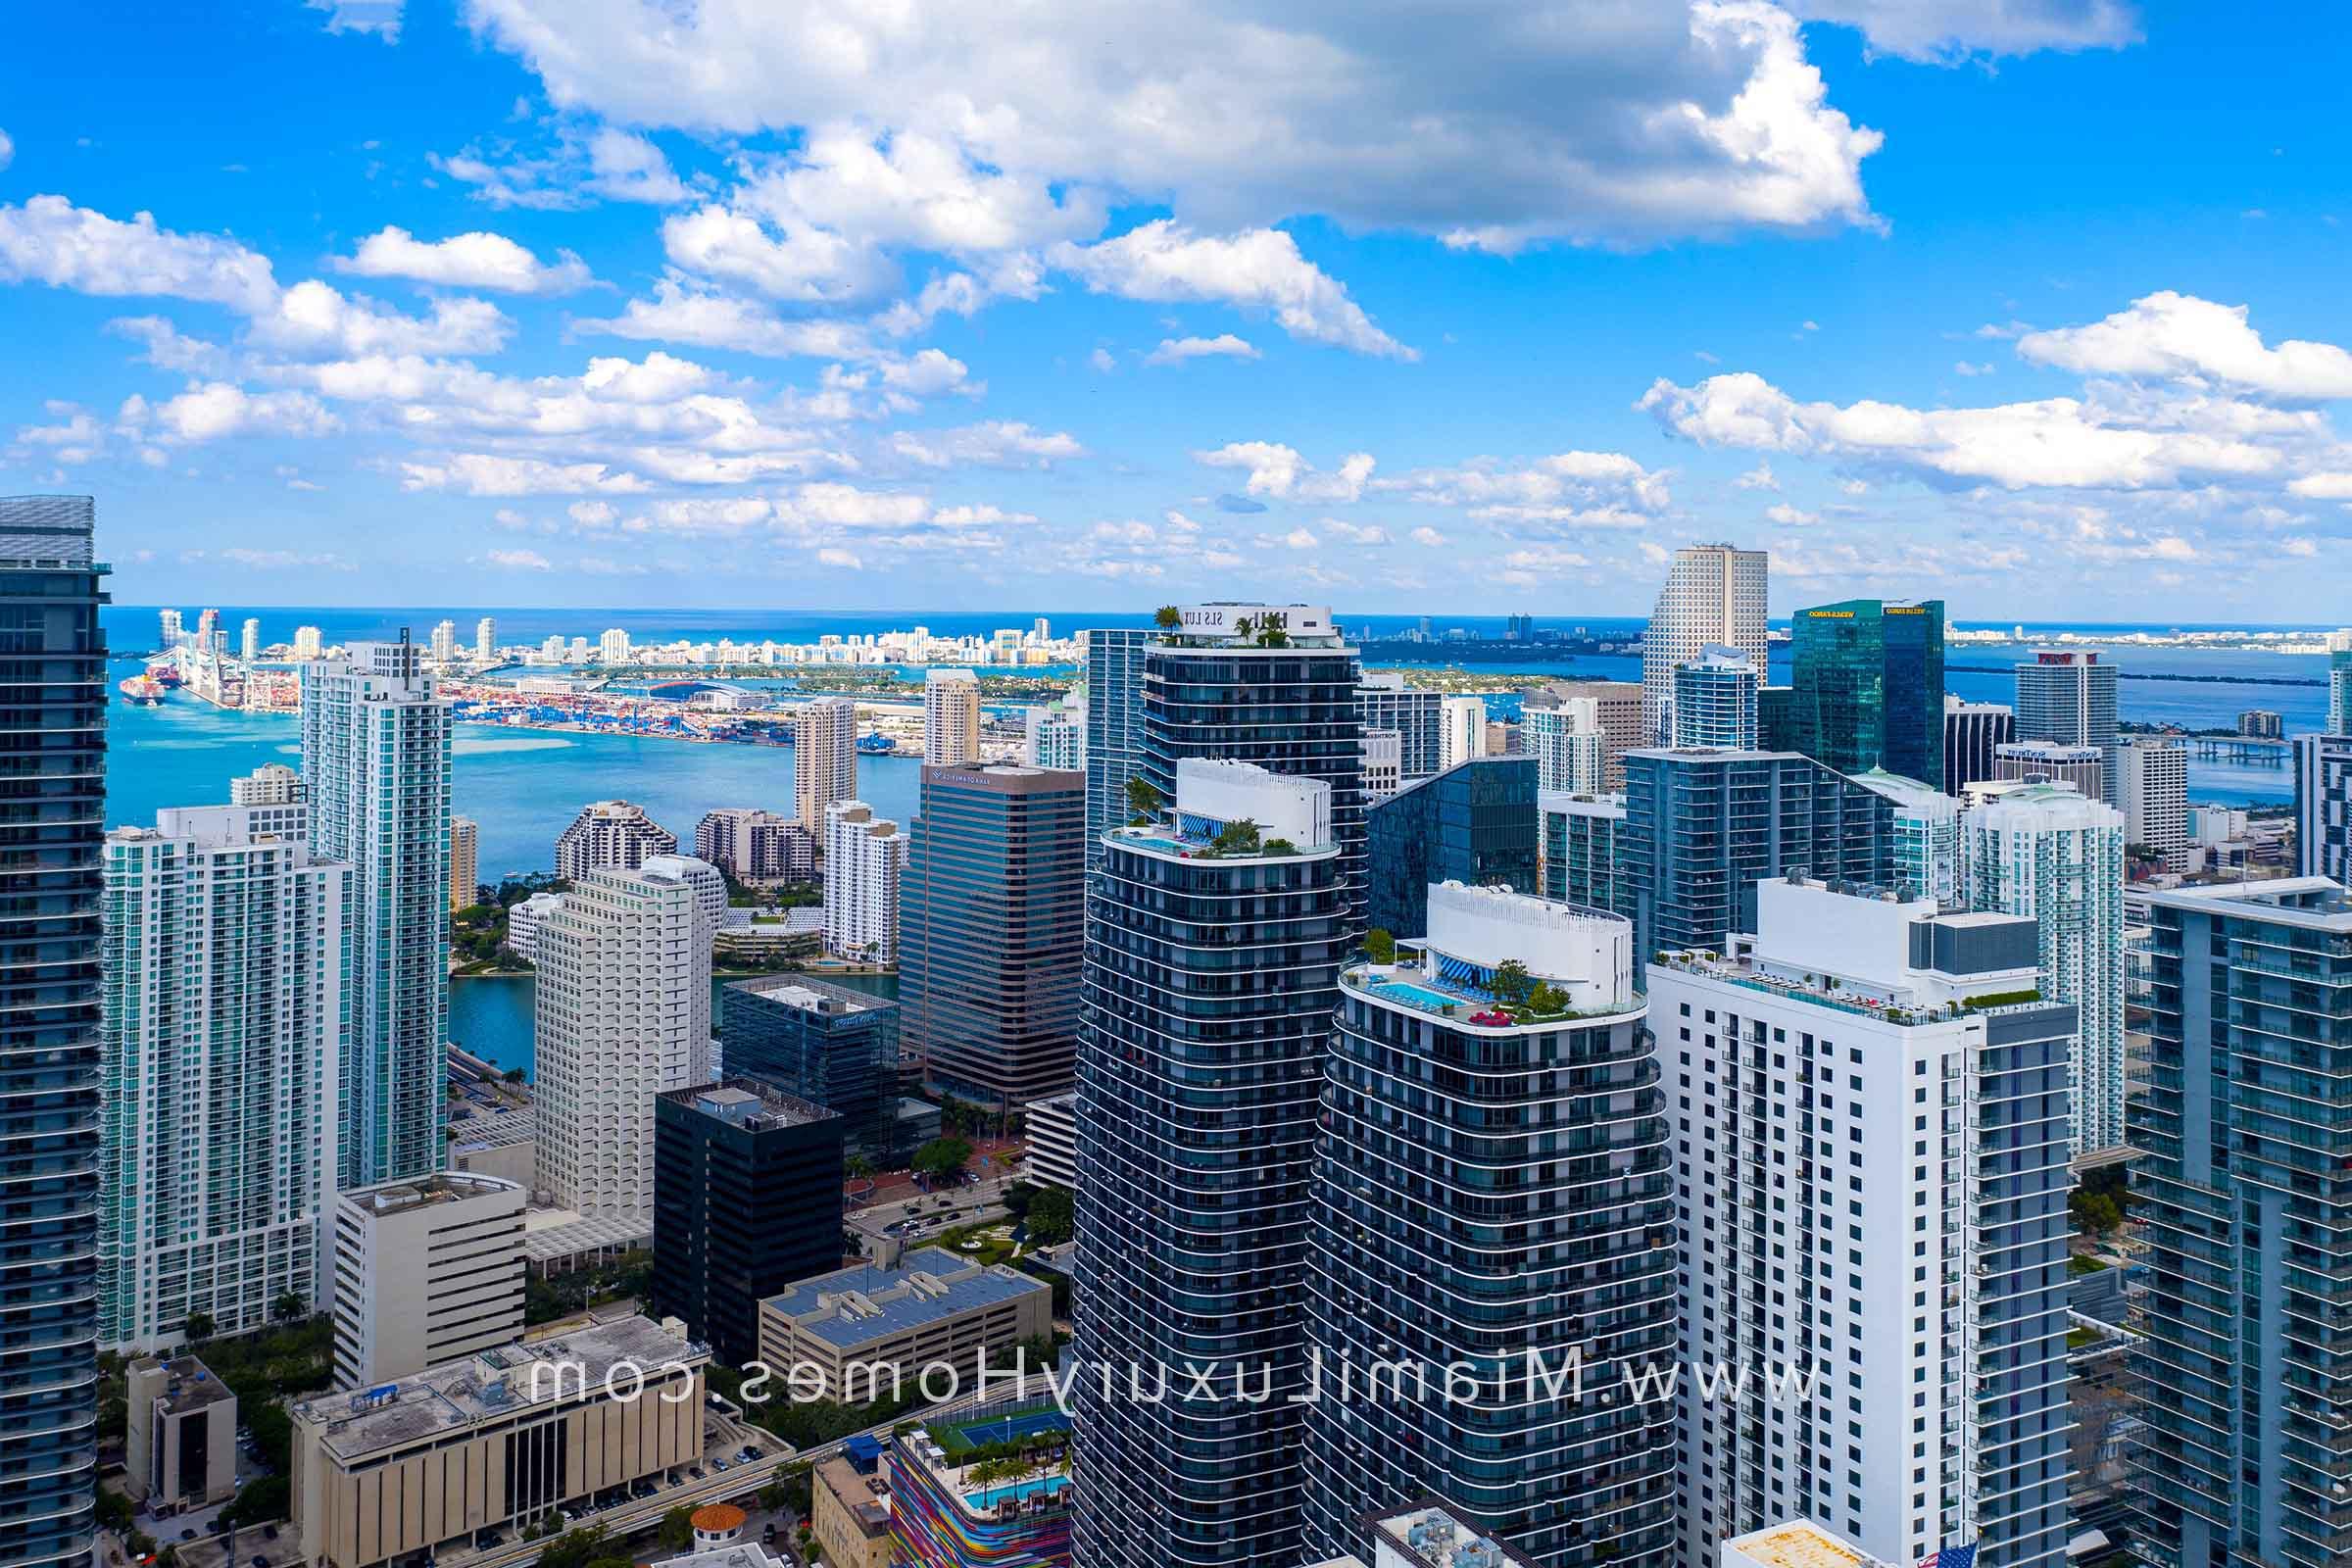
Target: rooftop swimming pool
1015	1490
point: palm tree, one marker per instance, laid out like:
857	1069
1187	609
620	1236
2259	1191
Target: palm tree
287	1307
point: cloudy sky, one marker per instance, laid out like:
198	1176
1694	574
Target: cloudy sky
1451	304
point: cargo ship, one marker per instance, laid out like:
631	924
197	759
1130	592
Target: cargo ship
163	673
145	691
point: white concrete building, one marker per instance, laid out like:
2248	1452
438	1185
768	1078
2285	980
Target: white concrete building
1057	734
307	642
525	920
622	1014
613	647
427	1271
485	641
249	643
1927	836
1461	730
445	640
950	717
1713	594
271	784
1384	764
2051	853
1872	1263
2152	791
825	758
865	856
465	862
375	766
226	1006
1051	1127
1565	737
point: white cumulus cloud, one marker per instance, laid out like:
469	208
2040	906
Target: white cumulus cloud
1225	345
476	260
2171	336
1261	268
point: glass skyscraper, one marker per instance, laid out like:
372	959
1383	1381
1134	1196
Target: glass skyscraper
991	909
53	665
1701	828
2245	1203
819	1042
1493	1206
1273	685
375	766
1206	1014
1715	702
1581	854
1867	686
1114	727
1475	823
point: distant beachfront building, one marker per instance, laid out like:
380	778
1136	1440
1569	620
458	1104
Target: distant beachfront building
375	764
756	846
307	643
610	835
613	647
485	641
226	1005
825	758
271	784
950	717
864	857
445	640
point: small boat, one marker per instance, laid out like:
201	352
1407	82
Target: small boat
145	691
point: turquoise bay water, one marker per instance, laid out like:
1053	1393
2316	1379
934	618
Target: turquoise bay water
490	1015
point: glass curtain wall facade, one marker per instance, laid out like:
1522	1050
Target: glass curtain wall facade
1867	682
1496	1196
1475	823
1204	1018
2245	1190
1114	727
1289	709
990	913
53	668
819	1042
1581	850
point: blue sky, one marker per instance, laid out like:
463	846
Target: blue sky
1472	307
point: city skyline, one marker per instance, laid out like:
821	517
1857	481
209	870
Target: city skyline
925	322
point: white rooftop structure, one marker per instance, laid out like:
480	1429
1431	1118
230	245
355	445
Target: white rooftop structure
1587	952
1215	791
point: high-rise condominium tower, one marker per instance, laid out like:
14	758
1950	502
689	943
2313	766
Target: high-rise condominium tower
1867	686
1518	1224
1114	727
990	911
864	857
2247	1215
2067	697
2339	683
465	862
623	1014
2154	795
445	640
950	717
375	766
1461	730
609	834
1204	1018
825	758
2047	851
249	640
485	641
1972	733
52	661
1715	702
1273	685
226	1003
1384	702
1887	1232
1713	594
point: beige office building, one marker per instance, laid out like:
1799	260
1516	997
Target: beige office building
180	1446
465	869
430	1461
425	1271
850	1514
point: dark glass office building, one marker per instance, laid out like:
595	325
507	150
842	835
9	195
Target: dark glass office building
1475	823
1867	677
1701	828
1288	706
2245	1192
1205	1013
1974	734
1494	1197
818	1042
53	668
991	910
747	1200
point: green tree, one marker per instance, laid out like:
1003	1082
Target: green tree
1512	982
260	1501
577	1548
1167	617
1143	797
1051	1218
1237	838
2095	1212
1546	1000
289	1308
675	1532
200	1326
943	1158
793	1486
1380	946
514	1075
858	1168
